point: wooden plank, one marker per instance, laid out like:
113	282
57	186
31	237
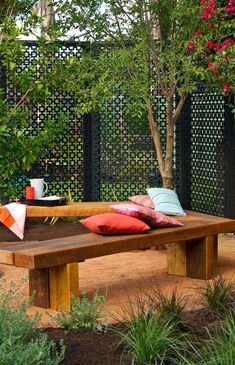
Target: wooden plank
6	257
7	251
15	243
78	209
39	287
78	248
202	256
86	209
63	281
176	259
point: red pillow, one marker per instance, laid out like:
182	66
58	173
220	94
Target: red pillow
142	200
151	217
112	223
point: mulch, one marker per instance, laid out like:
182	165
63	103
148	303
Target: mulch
84	347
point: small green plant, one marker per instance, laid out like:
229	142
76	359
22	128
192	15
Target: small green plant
152	341
219	296
84	313
219	349
168	305
151	337
21	342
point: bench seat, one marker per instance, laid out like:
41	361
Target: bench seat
53	264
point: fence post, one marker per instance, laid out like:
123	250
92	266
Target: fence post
183	155
91	161
229	158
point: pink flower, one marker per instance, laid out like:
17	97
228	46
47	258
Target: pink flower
227	43
212	45
208	10
230	9
202	2
197	34
190	46
226	88
213	67
211	25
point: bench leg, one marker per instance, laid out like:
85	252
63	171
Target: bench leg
39	287
63	280
195	258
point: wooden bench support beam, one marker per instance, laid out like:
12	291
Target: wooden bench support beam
195	258
176	259
63	280
202	257
39	287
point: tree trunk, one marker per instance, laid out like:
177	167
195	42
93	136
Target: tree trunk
168	171
44	9
165	165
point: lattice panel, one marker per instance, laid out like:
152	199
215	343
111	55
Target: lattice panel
62	167
127	155
205	153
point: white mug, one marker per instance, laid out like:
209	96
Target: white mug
38	185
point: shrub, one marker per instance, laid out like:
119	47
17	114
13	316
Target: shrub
21	342
152	333
219	348
84	313
35	352
152	341
219	296
168	306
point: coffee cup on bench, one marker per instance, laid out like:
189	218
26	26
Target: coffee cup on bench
38	185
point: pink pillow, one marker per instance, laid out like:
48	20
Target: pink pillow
142	200
112	223
151	217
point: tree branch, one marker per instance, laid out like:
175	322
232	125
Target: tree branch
179	107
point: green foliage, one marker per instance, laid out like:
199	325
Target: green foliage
217	59
219	296
21	342
84	313
218	349
18	148
168	306
152	340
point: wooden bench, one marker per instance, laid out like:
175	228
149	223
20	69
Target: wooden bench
53	264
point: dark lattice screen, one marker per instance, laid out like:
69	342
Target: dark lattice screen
203	154
105	156
127	155
62	167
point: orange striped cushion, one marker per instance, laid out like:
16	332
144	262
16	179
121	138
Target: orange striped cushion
151	217
142	200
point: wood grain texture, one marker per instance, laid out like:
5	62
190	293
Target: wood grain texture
176	259
78	209
39	287
63	281
202	254
78	248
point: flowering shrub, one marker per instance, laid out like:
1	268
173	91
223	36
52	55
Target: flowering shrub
213	44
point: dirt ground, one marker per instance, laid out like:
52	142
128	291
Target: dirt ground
123	276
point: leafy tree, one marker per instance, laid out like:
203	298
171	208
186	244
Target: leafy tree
18	149
146	54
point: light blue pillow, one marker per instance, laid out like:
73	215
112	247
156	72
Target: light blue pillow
165	201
